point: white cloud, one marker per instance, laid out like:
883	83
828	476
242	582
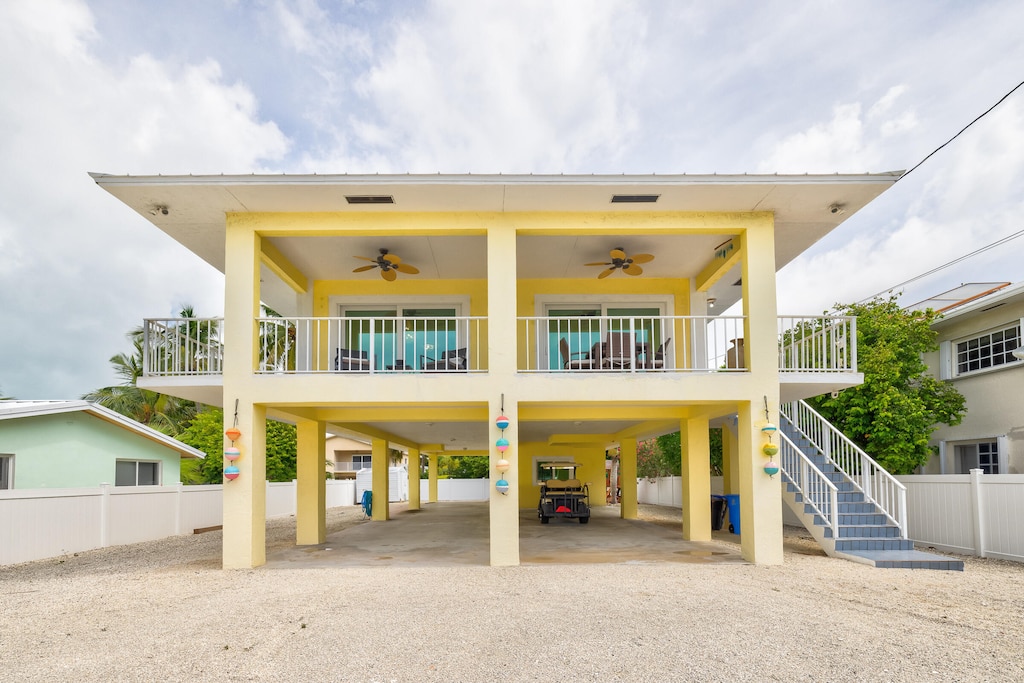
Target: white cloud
77	269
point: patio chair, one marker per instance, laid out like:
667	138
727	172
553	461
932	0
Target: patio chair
657	361
352	360
586	362
453	360
620	351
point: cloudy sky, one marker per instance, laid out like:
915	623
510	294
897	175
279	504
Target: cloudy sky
333	86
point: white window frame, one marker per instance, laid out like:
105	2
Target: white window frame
7	471
949	354
136	461
999	454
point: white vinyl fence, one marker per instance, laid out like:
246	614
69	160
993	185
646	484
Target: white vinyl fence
40	523
973	514
458	489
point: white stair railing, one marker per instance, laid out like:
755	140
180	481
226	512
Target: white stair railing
818	491
877	485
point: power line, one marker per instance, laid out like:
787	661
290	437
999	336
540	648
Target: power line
995	244
979	117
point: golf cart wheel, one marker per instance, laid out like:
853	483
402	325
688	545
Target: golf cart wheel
584	520
544	520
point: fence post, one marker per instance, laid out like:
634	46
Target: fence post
179	509
976	515
104	515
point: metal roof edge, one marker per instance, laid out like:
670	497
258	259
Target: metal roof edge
104	179
38	408
982	302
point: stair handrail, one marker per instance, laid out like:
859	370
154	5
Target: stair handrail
817	490
877	485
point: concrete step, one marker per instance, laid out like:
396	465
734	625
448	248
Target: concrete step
908	559
869	531
849	544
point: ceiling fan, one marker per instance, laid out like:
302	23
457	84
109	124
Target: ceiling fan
628	264
389	264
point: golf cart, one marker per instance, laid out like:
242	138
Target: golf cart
562	494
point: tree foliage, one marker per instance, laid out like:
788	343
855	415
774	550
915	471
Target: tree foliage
207	434
662	457
893	413
164	413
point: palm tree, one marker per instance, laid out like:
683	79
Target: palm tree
159	411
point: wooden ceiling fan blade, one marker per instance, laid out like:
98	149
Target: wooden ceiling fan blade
406	268
642	258
632	269
599	263
388	275
366	258
617	253
605	273
392	258
360	269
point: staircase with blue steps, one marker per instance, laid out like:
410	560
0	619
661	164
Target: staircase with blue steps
866	534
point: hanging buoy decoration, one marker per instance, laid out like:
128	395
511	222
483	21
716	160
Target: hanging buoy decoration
231	472
501	444
769	449
502	422
769	429
502	486
771	468
502	465
232	453
233	434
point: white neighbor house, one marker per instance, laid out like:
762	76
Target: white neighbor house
978	334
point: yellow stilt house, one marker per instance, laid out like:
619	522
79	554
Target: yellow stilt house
414	310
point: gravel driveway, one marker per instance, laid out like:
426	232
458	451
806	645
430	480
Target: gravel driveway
165	611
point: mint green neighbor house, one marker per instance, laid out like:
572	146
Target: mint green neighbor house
72	444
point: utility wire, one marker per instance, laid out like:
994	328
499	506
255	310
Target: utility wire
980	116
995	244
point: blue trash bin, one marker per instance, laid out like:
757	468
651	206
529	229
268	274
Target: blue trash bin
732	502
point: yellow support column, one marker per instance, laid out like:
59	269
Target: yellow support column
502	338
414	479
627	473
311	488
760	495
381	493
696	479
245	498
432	478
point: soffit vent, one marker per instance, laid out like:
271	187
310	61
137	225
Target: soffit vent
369	199
634	198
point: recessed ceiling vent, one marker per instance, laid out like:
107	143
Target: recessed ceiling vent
634	198
369	199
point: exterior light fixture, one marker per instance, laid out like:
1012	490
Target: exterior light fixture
1018	353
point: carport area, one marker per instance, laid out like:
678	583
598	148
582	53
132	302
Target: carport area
456	534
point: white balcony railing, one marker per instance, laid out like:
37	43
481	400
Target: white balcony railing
631	344
182	346
371	345
305	345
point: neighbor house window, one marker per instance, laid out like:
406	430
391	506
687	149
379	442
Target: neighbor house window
989	350
137	473
361	462
6	471
983	456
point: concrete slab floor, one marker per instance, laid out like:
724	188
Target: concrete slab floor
456	534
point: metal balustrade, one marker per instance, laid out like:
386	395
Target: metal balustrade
182	346
303	345
371	345
631	344
818	491
817	344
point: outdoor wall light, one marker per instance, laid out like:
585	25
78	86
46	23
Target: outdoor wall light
1018	353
